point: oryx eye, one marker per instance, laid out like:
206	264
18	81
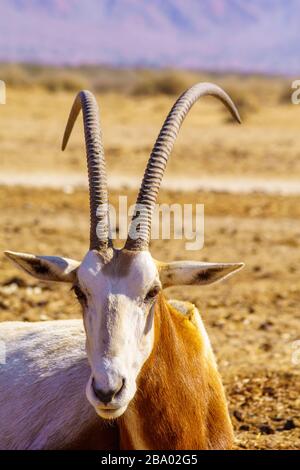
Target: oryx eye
79	294
153	292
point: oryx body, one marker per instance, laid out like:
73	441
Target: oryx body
151	367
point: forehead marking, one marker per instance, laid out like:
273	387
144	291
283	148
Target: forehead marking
138	267
119	266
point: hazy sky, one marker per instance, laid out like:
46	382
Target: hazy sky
256	35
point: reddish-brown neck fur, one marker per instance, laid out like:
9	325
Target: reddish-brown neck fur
180	402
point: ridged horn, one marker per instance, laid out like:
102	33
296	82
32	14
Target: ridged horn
140	227
99	223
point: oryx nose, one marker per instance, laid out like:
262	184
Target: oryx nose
106	396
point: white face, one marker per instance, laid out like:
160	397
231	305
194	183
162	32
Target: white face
117	292
117	297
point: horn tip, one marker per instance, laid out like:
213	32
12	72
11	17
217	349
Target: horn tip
238	117
65	139
235	113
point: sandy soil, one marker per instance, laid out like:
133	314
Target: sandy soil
240	185
253	318
266	145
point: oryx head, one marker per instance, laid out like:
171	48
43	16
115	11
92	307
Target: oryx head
117	289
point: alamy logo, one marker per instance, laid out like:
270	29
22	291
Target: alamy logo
296	352
2	92
174	221
295	98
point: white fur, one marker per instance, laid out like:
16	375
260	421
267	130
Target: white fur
115	319
42	385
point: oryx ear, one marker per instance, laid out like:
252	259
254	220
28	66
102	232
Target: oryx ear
46	268
195	273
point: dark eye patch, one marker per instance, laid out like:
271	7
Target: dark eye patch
152	293
79	294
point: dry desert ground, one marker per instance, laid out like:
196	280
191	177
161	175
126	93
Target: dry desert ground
253	318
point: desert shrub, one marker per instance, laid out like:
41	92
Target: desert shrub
51	78
248	92
251	93
247	103
169	82
172	83
105	80
64	80
15	75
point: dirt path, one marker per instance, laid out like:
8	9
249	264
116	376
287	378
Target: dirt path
218	184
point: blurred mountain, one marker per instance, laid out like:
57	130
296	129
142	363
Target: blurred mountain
256	35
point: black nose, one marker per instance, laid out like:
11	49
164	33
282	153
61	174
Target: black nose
106	396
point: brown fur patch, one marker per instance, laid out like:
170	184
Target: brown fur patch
119	264
105	255
180	402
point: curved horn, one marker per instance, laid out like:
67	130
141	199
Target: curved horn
158	160
85	100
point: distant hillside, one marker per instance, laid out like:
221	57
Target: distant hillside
256	35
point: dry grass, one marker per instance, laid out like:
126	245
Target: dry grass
142	82
267	144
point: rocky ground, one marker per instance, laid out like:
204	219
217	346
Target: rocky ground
252	318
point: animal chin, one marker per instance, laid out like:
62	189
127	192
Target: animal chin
110	413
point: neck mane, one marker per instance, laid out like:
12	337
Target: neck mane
180	402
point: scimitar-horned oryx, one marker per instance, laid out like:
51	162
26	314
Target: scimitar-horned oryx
151	362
